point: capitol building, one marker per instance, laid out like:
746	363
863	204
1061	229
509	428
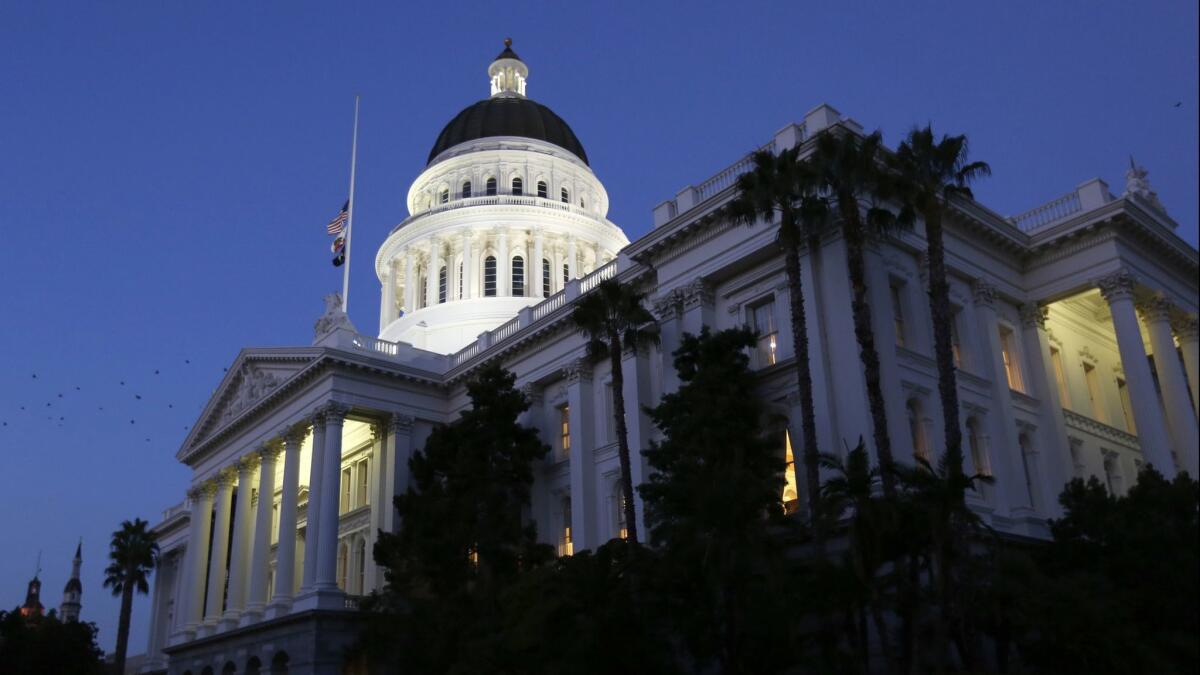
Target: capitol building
1075	334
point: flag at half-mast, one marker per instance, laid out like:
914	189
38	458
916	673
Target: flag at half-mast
337	229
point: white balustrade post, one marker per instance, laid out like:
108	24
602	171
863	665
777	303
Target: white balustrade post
1181	418
1187	330
285	552
316	478
256	599
217	572
243	524
200	527
1117	289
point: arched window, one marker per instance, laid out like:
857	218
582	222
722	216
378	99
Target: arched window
279	663
566	273
445	196
517	187
518	276
229	669
489	187
545	278
466	189
442	284
566	196
541	188
916	429
253	666
489	276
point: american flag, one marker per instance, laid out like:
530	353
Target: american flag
338	223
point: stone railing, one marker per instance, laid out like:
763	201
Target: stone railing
172	511
601	273
353	602
729	175
549	305
1050	212
373	344
507	200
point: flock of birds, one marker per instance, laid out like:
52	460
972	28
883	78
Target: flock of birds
54	410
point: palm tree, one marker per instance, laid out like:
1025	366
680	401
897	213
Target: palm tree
611	317
848	169
932	173
781	184
132	556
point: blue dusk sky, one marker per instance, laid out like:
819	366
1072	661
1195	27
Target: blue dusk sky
167	169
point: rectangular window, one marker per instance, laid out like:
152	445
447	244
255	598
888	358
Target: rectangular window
762	322
364	482
442	285
566	273
518	277
489	276
955	340
898	314
566	546
1094	399
1060	377
564	430
1126	406
545	278
346	486
1011	368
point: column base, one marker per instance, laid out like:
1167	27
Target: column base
229	621
187	634
252	614
321	598
279	607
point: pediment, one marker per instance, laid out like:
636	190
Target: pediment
253	376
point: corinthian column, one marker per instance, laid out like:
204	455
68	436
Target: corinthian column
256	600
535	265
243	524
324	593
1188	332
316	476
1117	289
200	526
1181	419
220	549
285	553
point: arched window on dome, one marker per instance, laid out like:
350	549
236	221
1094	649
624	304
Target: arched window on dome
443	286
518	276
466	189
422	289
445	196
545	278
489	276
543	191
566	196
489	187
518	187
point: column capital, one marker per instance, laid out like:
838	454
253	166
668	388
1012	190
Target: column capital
400	423
267	452
294	435
668	306
533	393
579	370
224	477
1187	328
205	489
333	412
1117	285
1034	315
983	293
377	429
695	293
248	462
1155	308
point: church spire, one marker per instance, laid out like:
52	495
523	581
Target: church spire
508	73
73	591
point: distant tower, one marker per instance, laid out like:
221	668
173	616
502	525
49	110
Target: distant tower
33	604
73	592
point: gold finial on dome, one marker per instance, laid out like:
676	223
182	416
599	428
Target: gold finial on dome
507	42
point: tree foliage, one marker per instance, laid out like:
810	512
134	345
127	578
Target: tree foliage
46	646
132	555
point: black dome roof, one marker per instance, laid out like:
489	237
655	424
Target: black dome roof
502	116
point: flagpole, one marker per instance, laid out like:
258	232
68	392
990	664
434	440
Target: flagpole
350	213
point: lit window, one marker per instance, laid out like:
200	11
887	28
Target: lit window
762	322
364	482
518	276
1126	406
466	189
445	196
342	565
347	485
442	284
916	428
564	430
898	314
979	454
566	196
618	502
545	278
1060	377
541	189
489	187
565	545
1094	397
791	493
517	187
489	276
1008	351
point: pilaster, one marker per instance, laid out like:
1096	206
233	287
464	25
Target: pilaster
581	413
1054	451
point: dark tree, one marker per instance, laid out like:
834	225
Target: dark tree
132	556
47	646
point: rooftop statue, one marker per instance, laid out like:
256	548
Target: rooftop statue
1137	185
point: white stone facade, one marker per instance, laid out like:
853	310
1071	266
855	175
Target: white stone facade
1075	332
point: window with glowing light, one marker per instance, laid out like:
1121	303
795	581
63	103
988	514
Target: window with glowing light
489	276
347	486
978	446
1094	396
565	544
916	429
1012	368
955	340
364	482
618	502
1126	406
762	321
564	431
1060	377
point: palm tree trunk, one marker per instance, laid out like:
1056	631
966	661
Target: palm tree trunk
618	395
123	628
804	383
943	350
865	333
